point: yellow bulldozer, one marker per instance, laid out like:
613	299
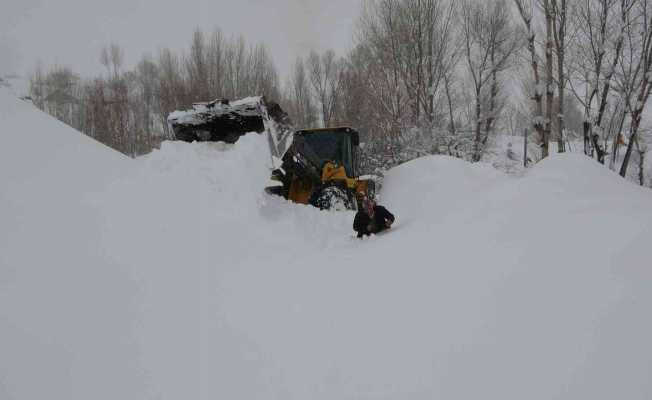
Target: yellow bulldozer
309	166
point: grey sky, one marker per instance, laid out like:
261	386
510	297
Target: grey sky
72	32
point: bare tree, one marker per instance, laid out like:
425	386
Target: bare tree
379	54
639	34
37	90
300	98
559	18
216	64
171	88
404	63
597	50
146	76
260	77
116	57
489	42
235	56
325	78
526	11
425	49
112	58
550	91
56	92
197	67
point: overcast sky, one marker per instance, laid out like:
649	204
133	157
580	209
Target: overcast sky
72	32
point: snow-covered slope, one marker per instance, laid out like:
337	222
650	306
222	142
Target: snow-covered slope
175	277
65	309
15	84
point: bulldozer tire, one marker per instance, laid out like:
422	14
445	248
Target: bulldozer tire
333	198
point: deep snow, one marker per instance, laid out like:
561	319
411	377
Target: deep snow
174	277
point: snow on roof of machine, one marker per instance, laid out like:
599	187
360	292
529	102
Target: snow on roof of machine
248	106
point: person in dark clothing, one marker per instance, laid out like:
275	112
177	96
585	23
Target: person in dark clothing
371	218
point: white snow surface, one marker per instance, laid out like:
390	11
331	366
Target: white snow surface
17	85
174	277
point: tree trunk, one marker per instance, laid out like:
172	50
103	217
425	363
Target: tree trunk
560	42
450	105
549	81
630	146
607	84
538	97
641	167
525	149
561	147
477	153
618	141
598	149
527	20
494	92
587	132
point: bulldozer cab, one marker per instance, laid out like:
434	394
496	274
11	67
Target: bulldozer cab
320	168
336	145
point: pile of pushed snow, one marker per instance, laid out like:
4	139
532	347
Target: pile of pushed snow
178	278
486	279
66	310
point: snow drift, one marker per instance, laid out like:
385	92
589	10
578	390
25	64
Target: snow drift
175	277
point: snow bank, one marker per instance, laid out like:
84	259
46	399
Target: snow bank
66	311
178	278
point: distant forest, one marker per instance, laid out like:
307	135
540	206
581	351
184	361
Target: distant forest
424	77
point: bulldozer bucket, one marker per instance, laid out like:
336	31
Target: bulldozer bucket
226	121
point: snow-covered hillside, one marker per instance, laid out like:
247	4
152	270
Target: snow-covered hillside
15	84
174	277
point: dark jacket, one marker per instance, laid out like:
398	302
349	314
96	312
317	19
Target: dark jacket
365	225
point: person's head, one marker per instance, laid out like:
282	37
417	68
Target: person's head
369	205
359	199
